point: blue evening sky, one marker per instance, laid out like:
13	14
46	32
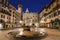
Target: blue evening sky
32	5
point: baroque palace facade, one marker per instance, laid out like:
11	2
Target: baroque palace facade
9	16
50	15
30	18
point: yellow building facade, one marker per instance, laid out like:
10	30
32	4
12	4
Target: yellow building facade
50	15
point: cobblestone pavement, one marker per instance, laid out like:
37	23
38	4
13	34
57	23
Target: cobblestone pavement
52	34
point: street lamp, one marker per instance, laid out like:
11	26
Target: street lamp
41	21
21	21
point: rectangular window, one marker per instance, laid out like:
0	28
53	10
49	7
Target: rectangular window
50	16
58	12
55	14
2	16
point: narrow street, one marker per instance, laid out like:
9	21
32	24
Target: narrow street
52	34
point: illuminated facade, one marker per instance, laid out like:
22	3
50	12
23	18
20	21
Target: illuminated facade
4	13
30	17
9	17
50	15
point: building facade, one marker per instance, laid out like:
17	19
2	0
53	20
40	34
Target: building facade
4	14
50	15
29	17
9	17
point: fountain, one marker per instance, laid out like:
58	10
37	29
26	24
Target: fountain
25	32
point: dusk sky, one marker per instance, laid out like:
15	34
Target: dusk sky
32	5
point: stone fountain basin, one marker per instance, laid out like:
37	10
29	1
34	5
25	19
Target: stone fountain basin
26	34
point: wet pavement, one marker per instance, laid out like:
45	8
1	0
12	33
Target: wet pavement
52	35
